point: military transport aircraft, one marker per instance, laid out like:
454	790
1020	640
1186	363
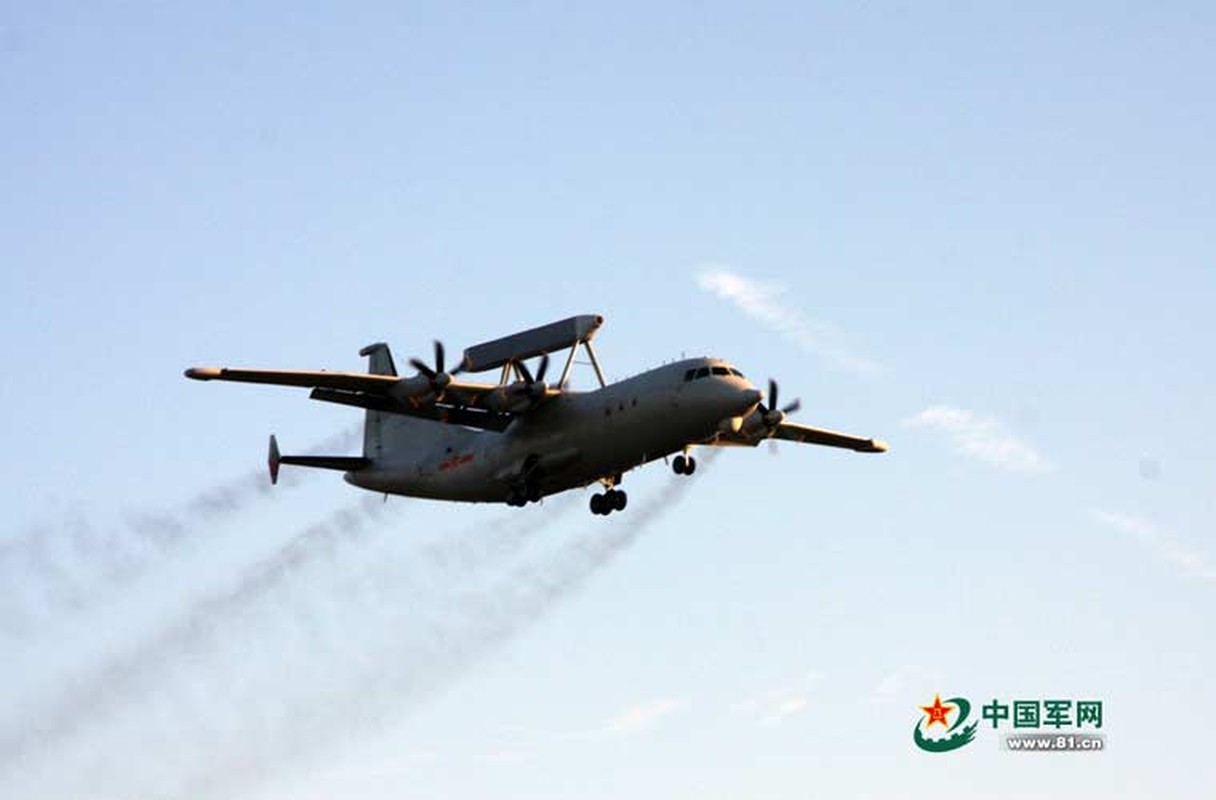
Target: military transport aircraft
520	439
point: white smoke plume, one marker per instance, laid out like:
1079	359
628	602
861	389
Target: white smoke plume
316	647
55	571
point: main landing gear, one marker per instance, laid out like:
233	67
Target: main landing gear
609	501
684	465
522	495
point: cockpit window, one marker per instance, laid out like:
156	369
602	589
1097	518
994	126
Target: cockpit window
736	372
721	371
692	373
703	372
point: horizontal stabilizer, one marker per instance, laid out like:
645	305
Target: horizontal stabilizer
342	463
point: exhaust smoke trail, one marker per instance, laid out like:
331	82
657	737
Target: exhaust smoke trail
405	670
530	590
126	680
280	667
58	571
115	681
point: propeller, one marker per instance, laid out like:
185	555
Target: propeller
534	386
772	415
438	377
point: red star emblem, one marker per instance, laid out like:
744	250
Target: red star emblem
937	712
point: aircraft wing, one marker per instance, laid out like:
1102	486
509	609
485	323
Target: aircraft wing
342	381
808	435
461	403
445	412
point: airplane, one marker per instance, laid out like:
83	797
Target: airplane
518	440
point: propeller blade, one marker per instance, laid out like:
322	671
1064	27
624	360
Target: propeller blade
422	367
772	393
438	356
544	365
524	371
792	407
437	376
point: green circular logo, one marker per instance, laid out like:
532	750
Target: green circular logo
939	714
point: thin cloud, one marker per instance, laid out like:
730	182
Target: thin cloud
1190	562
762	302
508	756
641	717
982	438
773	706
887	689
902	684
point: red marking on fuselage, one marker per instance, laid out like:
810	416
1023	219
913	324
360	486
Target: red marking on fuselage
455	461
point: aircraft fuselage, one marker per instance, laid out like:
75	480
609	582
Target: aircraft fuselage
574	439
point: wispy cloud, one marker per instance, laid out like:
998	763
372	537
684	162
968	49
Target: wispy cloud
762	302
774	705
506	756
1190	562
641	717
982	438
515	745
904	684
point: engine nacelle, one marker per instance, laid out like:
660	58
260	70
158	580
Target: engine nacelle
731	425
753	426
511	399
515	398
416	391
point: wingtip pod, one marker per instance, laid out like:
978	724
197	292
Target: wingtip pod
203	373
273	459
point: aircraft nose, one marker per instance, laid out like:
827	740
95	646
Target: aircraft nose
752	396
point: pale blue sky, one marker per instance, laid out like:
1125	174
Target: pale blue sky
1005	208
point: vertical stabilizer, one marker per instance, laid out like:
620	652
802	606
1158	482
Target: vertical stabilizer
379	362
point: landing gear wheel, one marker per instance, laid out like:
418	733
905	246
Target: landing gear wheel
690	466
598	506
680	465
618	499
533	493
516	498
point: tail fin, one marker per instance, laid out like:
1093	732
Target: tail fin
273	459
380	359
379	362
